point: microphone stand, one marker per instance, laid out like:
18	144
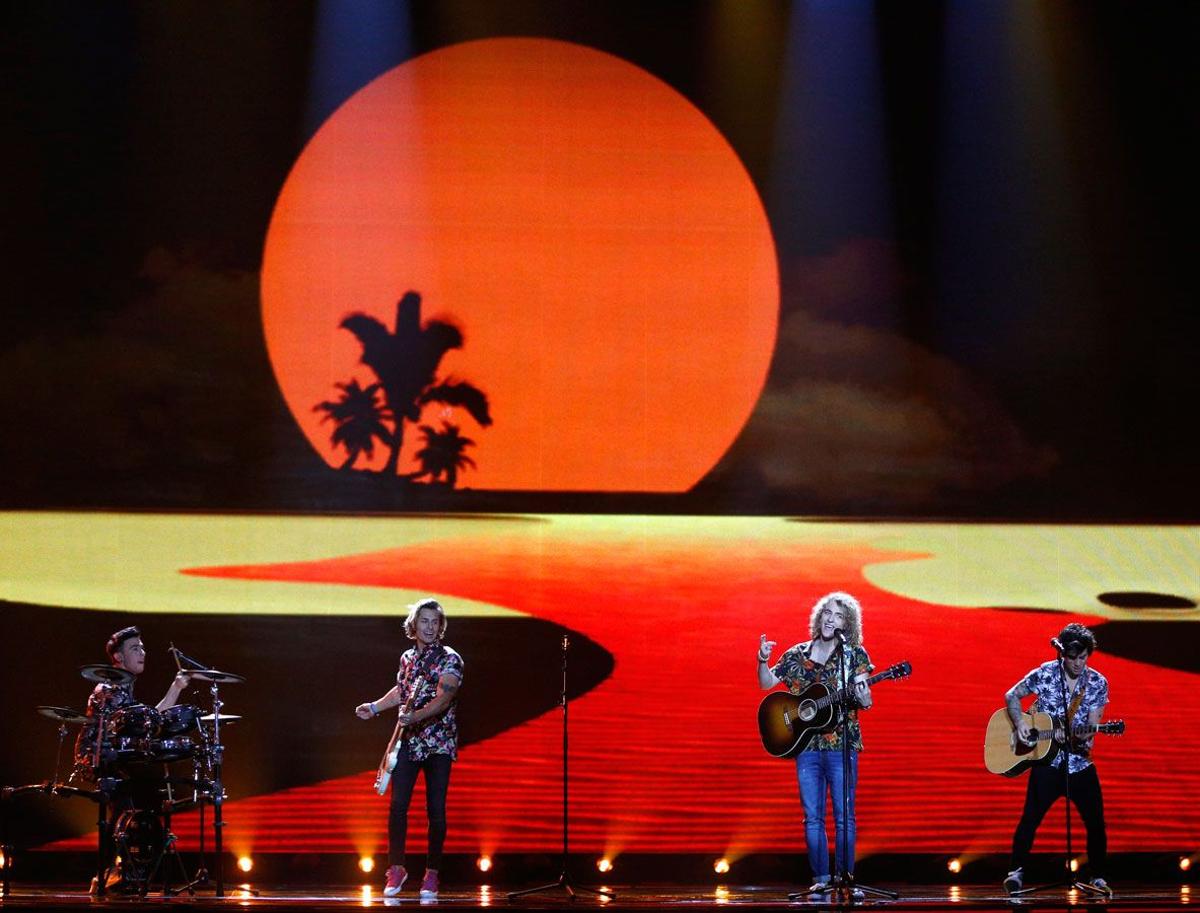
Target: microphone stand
564	878
1070	880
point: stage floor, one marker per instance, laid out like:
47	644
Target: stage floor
1128	897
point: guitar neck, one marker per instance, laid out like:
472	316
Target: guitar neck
836	697
1086	729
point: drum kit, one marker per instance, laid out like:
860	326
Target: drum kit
136	748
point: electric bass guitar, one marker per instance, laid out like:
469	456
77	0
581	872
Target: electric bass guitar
390	756
1007	755
789	722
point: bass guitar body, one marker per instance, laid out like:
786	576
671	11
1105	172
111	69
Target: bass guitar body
383	777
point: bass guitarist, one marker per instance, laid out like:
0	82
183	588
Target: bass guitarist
1073	695
425	739
835	626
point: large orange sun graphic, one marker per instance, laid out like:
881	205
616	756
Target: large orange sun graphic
596	240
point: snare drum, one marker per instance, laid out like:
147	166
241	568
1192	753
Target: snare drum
180	720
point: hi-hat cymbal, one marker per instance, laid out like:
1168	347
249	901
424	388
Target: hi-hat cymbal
63	714
224	718
108	674
212	675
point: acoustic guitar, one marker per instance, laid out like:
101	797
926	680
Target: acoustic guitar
1007	755
788	722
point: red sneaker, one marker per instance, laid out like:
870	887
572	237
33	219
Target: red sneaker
396	876
429	885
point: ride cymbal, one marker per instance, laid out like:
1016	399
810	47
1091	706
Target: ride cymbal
108	674
213	675
221	678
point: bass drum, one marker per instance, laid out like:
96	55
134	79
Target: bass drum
139	837
180	720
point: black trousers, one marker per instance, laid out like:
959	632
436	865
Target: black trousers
1045	788
437	782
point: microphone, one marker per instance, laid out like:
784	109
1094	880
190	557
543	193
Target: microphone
840	635
1057	645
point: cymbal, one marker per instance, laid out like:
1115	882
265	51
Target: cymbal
109	674
224	717
63	714
212	675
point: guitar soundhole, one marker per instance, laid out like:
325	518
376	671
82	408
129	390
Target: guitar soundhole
807	712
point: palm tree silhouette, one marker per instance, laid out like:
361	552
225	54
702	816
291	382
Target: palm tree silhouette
358	416
443	453
406	360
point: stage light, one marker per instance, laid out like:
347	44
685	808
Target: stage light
954	865
484	863
1185	863
367	863
1074	865
721	866
3	860
605	865
245	863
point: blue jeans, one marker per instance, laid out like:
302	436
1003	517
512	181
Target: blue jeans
820	772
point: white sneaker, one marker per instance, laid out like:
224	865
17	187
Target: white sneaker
1102	886
1015	881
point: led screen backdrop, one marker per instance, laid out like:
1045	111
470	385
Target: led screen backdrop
665	614
610	321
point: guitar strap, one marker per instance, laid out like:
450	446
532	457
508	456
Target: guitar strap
1075	702
419	668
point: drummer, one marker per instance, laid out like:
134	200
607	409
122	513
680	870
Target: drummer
127	652
135	790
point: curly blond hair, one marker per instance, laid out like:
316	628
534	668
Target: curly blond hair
410	623
853	616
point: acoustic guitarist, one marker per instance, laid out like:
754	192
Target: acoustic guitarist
835	626
1074	696
426	690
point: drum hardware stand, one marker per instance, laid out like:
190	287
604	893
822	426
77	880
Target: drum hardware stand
168	849
1070	880
842	885
564	878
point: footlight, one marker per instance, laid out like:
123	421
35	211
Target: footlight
955	866
721	866
367	864
484	863
604	865
245	863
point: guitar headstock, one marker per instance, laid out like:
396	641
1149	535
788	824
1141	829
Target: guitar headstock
1113	727
900	670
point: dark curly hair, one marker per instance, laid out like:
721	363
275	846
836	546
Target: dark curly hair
1075	638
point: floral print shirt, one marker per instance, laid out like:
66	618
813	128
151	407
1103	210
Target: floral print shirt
1046	681
797	670
417	680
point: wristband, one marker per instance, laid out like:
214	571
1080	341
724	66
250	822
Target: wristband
764	659
374	712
